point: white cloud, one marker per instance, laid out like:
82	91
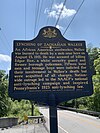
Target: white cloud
56	10
59	27
5	58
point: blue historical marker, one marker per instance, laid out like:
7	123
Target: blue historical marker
49	65
49	69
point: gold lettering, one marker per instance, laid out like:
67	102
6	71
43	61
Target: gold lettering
18	72
49	66
75	44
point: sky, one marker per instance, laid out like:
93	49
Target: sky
22	20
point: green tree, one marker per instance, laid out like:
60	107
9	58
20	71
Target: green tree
96	81
3	93
8	107
91	102
94	100
93	55
19	109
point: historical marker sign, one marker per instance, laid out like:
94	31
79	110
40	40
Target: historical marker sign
49	65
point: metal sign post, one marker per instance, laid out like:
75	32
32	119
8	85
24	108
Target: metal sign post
53	114
53	119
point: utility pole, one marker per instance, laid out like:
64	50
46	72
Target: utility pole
32	108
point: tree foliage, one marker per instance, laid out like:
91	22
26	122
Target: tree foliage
93	55
92	102
4	104
96	82
8	107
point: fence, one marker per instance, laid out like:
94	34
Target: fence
8	122
37	119
93	113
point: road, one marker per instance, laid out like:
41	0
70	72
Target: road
72	122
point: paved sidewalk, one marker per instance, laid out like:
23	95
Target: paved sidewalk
30	128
